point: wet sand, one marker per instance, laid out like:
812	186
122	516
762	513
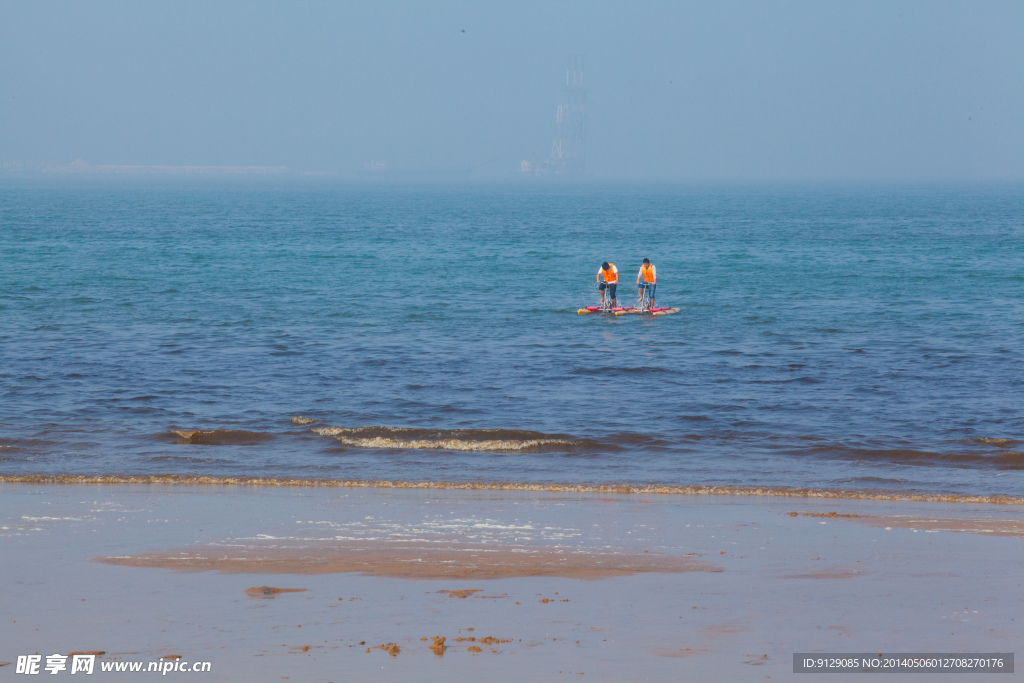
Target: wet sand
416	562
330	584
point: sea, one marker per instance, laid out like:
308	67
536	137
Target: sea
859	339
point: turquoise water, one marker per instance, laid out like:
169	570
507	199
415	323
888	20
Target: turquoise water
837	338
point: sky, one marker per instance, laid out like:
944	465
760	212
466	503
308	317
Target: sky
729	91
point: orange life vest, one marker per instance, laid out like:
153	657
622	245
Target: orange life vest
611	276
648	273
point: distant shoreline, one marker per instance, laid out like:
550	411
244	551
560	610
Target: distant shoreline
79	166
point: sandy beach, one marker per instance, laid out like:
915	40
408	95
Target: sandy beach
317	584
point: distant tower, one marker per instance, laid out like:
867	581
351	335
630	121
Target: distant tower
569	149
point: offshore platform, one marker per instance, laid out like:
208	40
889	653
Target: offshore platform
569	148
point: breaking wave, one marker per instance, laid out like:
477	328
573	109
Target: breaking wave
999	443
471	440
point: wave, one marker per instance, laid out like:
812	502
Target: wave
999	443
219	437
633	440
646	489
20	445
300	421
184	460
624	371
1003	459
470	440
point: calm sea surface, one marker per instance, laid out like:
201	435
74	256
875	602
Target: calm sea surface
855	339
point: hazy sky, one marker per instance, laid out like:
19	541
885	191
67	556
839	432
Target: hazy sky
696	91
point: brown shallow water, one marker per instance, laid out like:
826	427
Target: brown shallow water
692	490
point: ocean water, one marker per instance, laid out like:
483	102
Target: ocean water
858	338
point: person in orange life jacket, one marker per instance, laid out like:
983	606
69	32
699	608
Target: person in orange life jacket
649	274
611	280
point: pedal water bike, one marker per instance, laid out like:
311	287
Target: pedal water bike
643	307
644	302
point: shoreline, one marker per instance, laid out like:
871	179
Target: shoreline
622	489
